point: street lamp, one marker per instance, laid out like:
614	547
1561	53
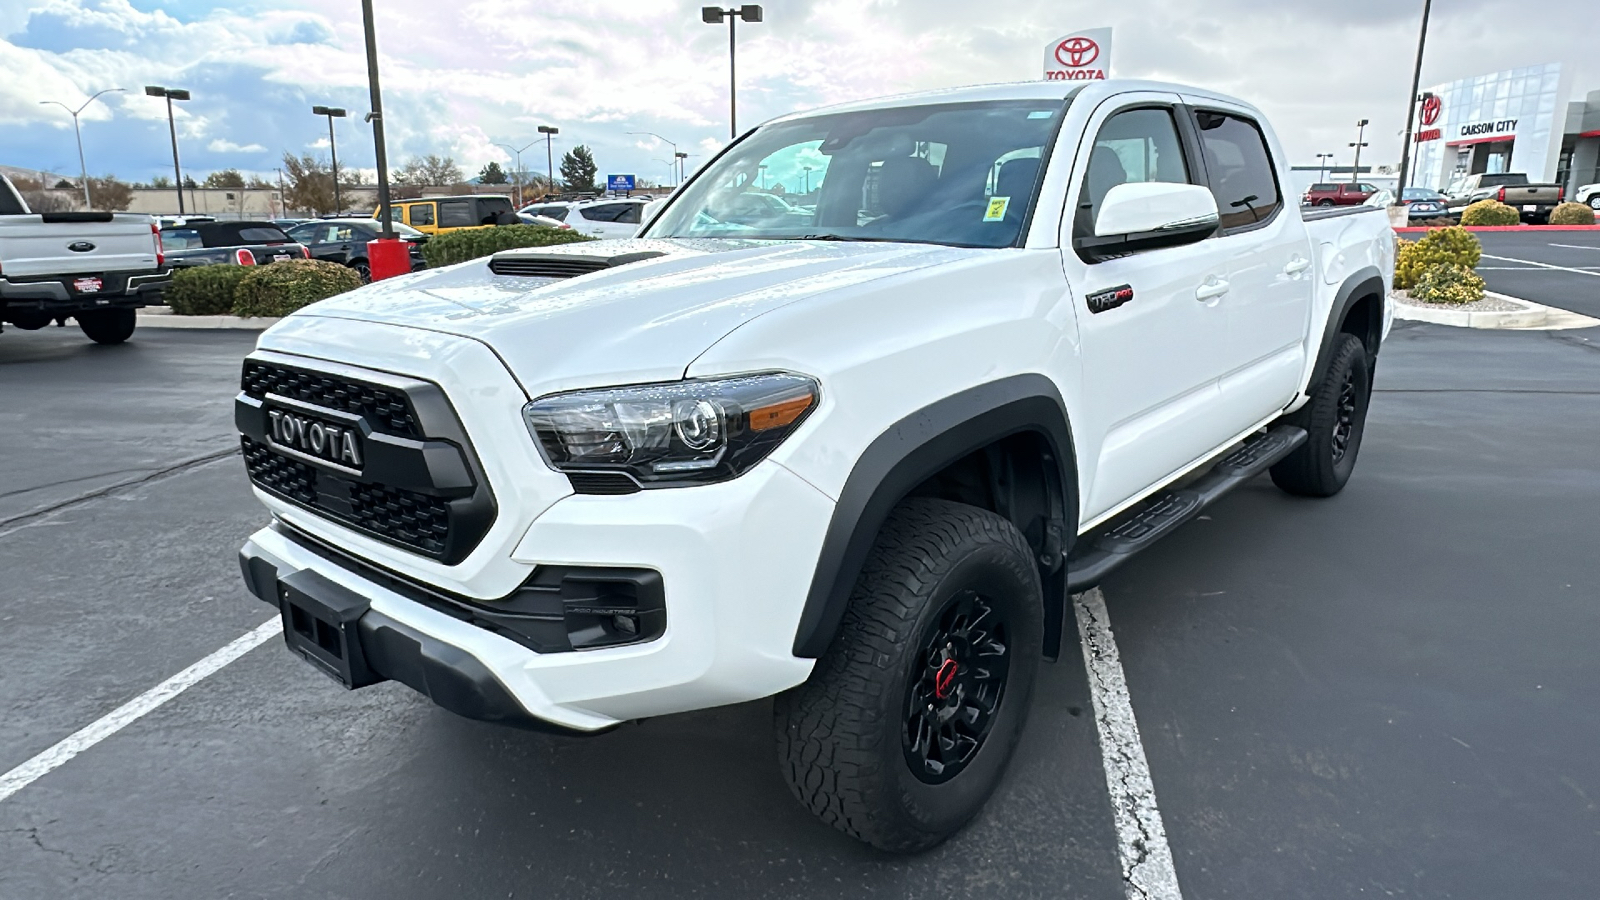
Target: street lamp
714	15
680	158
332	112
171	94
1358	143
675	154
1323	159
549	133
81	166
518	155
763	168
1411	111
807	170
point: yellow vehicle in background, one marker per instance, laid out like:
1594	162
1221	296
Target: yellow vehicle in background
442	215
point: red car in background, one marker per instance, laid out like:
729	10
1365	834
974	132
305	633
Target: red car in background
1343	194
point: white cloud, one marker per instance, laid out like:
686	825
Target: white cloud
222	145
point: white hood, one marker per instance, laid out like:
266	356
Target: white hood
643	321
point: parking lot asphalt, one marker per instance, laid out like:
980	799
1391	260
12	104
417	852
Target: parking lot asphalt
1556	268
1390	693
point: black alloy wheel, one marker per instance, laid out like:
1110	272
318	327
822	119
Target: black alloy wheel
955	688
1344	416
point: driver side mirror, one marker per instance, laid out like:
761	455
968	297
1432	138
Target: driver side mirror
1148	216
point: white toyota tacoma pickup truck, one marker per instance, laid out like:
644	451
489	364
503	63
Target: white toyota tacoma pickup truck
96	267
855	456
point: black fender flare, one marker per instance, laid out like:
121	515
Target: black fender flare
1364	282
907	454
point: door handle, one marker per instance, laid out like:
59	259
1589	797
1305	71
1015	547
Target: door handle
1211	289
1297	265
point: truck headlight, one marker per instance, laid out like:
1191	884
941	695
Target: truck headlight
677	433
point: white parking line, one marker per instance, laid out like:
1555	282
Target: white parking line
1575	247
1147	869
130	712
1541	265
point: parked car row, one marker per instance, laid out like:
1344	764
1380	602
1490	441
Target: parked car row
597	218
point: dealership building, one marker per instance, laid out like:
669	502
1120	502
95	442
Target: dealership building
1518	120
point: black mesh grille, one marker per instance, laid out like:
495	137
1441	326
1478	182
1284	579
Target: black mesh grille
385	410
405	517
602	483
279	474
546	268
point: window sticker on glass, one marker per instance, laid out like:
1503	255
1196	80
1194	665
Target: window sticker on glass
997	209
1040	114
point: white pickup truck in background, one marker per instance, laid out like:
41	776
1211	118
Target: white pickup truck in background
856	455
95	267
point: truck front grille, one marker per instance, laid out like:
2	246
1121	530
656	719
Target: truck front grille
386	411
419	485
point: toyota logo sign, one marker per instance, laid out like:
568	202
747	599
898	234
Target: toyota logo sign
1081	56
1430	109
1077	52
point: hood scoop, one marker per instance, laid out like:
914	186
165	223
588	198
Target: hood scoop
536	264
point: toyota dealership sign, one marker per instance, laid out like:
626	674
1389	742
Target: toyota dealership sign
1081	56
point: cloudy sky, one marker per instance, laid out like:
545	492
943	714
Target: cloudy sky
460	76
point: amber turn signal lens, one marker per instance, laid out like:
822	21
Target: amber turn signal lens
779	414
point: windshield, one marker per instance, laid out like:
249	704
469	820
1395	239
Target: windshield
961	174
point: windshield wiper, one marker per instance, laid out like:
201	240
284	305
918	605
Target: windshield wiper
829	236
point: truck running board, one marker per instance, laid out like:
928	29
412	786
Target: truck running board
1101	551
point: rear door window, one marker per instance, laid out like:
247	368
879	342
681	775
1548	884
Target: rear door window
630	213
1243	179
559	213
605	212
420	214
490	208
456	214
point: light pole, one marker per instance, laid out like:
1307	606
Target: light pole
675	154
549	133
1323	159
807	170
171	94
87	204
679	158
332	112
672	168
387	256
714	15
1361	130
518	156
763	168
1411	109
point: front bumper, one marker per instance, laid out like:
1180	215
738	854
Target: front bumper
54	294
735	561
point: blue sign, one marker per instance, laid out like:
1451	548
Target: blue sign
619	183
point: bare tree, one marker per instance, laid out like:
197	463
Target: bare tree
430	171
40	199
110	194
309	184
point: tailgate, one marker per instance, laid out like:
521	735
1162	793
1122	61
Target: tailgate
1538	194
34	246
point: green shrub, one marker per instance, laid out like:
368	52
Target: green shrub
460	246
204	290
1489	212
1448	283
1441	246
1572	214
281	288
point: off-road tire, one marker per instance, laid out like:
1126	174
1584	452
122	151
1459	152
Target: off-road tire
841	736
108	326
1318	468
